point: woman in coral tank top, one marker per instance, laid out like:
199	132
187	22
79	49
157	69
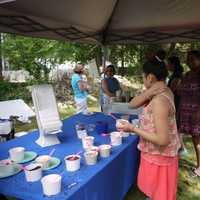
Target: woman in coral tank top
159	140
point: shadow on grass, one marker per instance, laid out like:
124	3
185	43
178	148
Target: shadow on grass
135	194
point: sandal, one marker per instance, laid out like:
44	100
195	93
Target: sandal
195	172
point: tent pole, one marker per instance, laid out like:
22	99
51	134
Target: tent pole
105	56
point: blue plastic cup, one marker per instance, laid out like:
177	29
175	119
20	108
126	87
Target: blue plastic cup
101	127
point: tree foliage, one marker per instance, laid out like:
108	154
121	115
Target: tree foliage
39	56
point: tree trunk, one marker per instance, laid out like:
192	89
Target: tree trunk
122	61
98	58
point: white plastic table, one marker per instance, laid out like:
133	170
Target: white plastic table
15	108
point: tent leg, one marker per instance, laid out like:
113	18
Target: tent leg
105	55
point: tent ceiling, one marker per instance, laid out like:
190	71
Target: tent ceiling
103	21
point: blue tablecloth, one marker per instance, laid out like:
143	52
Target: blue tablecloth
109	179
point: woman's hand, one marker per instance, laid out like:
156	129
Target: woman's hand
157	88
124	126
147	95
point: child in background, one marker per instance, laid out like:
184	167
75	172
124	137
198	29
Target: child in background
159	141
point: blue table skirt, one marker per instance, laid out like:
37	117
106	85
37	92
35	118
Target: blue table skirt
109	179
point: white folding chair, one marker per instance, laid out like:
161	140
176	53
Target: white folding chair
47	115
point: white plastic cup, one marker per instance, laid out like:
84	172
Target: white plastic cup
33	172
72	164
91	157
17	154
105	150
6	167
118	124
51	184
43	160
116	138
87	142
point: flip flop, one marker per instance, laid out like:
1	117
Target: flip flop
195	172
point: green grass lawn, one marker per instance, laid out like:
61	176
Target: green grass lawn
188	187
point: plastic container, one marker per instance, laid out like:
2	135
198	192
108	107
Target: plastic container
116	138
17	154
51	184
91	157
81	130
105	150
87	142
72	162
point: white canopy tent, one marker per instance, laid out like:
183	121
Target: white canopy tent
103	21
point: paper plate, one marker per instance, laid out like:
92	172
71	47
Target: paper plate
53	163
17	169
28	156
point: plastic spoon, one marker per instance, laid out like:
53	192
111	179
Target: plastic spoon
52	151
77	154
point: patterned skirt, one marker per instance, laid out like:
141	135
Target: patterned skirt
188	123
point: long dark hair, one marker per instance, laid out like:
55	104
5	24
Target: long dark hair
178	68
157	68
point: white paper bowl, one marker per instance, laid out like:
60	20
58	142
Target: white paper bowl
105	150
116	138
33	172
72	165
51	184
91	157
17	154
